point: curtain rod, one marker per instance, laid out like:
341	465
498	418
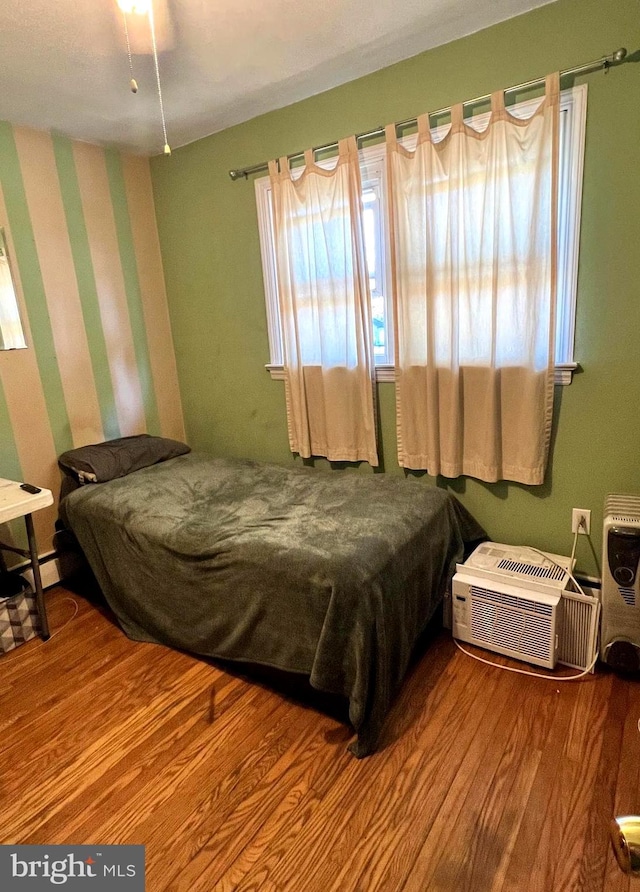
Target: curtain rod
605	62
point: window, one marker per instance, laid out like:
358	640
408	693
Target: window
372	165
11	333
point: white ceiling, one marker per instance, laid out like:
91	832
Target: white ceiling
63	63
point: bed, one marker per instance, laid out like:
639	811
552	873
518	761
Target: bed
333	575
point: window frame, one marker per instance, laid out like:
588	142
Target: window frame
373	169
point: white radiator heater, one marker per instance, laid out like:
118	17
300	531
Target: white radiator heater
621	582
518	602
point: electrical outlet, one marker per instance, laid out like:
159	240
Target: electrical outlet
576	515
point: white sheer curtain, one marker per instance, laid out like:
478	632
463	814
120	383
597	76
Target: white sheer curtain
474	266
325	309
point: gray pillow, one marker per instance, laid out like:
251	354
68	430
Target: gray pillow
101	462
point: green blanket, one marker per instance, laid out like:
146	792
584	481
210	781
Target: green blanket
330	574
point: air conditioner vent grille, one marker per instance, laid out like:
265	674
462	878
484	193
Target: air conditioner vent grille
524	633
512	601
525	569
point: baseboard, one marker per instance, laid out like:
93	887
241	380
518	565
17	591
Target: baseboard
49	570
592	581
592	592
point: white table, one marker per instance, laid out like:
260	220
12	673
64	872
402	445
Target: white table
15	502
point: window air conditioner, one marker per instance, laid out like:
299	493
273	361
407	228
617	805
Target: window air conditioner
518	602
621	582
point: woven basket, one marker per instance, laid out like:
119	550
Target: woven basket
19	619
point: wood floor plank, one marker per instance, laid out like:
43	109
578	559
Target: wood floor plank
627	788
570	804
90	708
342	818
536	818
429	787
593	864
156	798
85	817
224	832
484	781
23	815
480	829
41	658
22	710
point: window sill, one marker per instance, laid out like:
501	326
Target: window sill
564	372
386	373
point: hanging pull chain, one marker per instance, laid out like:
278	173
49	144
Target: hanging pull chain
133	84
167	147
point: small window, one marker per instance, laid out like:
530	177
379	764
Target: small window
573	107
11	332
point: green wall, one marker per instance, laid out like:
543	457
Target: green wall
210	247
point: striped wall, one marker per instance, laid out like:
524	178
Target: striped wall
83	244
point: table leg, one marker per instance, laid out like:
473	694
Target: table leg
37	580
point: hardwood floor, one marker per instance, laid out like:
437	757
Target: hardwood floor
486	781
